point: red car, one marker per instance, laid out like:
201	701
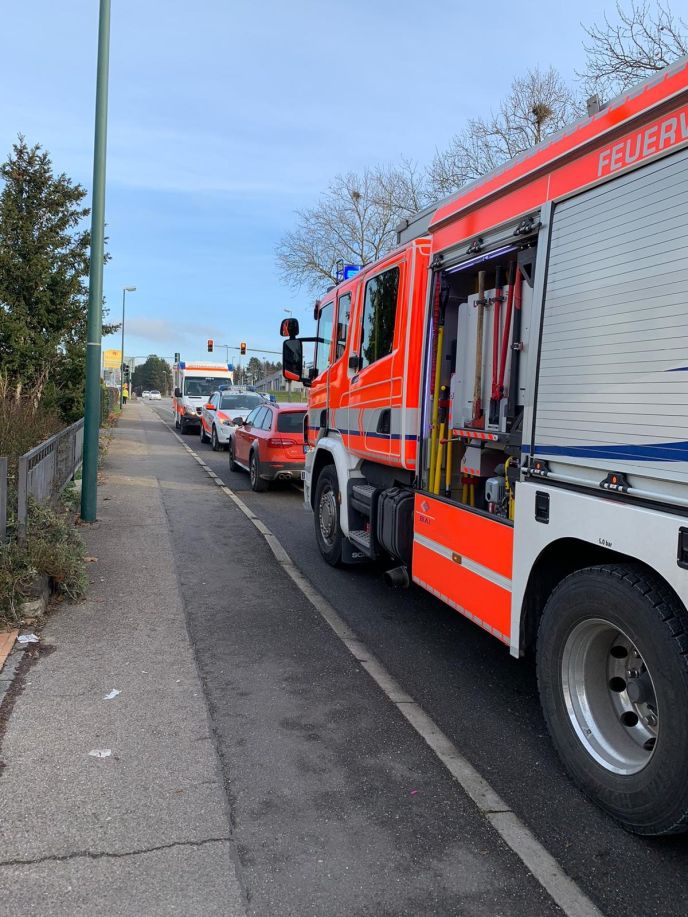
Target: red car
269	444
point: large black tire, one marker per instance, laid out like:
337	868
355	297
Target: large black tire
257	483
204	435
612	662
328	532
214	441
232	464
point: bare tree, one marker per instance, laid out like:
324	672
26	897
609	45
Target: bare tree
353	221
642	40
538	104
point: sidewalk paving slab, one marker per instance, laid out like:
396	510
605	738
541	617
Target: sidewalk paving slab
145	830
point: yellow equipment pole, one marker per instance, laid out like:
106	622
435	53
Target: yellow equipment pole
508	488
438	461
435	402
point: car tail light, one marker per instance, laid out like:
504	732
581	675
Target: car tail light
277	442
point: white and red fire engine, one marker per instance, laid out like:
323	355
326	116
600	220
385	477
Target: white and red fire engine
500	405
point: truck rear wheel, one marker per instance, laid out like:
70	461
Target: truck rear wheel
328	532
612	662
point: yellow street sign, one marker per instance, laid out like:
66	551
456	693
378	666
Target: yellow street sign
112	359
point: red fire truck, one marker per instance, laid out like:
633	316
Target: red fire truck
500	406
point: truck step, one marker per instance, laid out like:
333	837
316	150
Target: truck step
363	491
364	498
361	539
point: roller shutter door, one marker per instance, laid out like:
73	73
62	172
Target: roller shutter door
613	373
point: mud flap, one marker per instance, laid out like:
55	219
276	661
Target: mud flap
351	554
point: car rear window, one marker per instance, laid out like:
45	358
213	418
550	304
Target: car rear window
290	421
240	401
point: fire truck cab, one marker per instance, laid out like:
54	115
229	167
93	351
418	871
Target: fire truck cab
500	408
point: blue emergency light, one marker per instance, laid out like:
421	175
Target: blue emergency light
346	271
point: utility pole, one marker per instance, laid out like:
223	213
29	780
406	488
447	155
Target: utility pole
89	489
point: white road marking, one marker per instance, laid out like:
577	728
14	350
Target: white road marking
540	863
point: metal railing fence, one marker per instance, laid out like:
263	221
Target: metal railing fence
44	471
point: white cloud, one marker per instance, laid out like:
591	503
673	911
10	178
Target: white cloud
163	331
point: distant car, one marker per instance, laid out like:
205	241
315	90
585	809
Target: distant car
155	395
220	412
146	394
269	444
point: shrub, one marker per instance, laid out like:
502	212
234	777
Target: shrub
52	548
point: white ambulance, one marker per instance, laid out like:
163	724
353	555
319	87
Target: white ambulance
194	383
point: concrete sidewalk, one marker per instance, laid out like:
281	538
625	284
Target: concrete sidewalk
144	830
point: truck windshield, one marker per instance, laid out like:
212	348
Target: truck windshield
200	386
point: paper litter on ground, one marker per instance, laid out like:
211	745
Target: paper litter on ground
27	638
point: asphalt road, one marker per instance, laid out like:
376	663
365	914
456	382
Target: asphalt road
486	703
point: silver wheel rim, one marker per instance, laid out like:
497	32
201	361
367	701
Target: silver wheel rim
610	696
214	439
253	471
327	516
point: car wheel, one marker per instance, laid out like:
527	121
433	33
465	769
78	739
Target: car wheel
204	435
257	483
232	464
613	682
328	532
214	441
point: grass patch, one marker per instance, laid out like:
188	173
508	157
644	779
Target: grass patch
52	548
291	397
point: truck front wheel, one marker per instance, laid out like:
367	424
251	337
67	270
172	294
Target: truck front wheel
612	663
328	532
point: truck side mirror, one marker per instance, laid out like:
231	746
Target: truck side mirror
177	393
292	359
354	362
289	328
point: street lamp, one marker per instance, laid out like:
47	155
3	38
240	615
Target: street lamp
125	290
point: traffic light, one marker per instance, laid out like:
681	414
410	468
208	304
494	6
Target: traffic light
210	345
242	348
125	371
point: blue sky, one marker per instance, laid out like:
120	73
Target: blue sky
226	116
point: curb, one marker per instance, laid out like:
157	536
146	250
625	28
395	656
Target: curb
7	639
